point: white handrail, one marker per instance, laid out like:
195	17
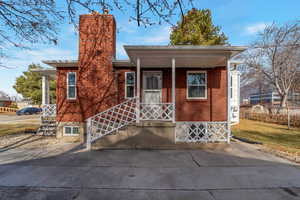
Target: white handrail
110	120
124	114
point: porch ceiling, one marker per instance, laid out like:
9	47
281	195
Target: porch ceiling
185	56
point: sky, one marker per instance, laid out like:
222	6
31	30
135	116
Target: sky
240	20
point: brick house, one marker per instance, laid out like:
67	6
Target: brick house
162	95
5	101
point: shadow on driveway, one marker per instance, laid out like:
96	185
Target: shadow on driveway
151	174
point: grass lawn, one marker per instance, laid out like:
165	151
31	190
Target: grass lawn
6	129
275	136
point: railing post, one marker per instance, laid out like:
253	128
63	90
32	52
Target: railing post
228	102
173	90
88	134
45	90
138	89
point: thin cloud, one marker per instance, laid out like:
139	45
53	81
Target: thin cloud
22	59
158	36
255	28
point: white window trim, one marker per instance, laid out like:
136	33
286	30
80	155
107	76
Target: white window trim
187	84
71	98
71	134
129	85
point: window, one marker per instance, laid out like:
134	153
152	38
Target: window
196	85
129	84
71	85
71	130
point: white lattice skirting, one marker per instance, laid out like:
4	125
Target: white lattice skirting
159	111
201	132
49	110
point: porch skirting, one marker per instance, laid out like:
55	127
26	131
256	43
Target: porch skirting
192	132
165	135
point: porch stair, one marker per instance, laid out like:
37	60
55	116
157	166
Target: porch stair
111	120
48	126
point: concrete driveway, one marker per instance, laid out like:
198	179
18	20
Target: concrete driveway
238	171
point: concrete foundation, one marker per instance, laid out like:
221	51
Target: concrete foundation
70	138
148	135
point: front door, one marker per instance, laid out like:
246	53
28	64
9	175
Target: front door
152	85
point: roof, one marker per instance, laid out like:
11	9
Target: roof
185	47
4	97
45	71
186	55
61	63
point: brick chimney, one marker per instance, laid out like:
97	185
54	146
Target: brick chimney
97	36
97	49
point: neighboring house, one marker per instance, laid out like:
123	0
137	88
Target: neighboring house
23	103
273	98
165	93
5	101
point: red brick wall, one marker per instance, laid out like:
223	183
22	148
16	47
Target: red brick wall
96	83
214	108
5	103
67	110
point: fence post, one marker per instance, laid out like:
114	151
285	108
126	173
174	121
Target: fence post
88	134
288	117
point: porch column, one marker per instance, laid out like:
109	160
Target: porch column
228	101
45	90
173	89
138	88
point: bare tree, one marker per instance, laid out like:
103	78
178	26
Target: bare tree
23	22
276	56
252	82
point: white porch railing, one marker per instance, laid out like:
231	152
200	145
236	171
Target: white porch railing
49	110
159	111
111	120
201	132
124	114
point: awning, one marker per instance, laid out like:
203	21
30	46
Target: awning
185	56
51	72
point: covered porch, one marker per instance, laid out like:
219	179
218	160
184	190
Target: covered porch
161	79
48	108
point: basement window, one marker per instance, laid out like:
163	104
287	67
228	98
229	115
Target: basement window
196	85
71	130
129	84
71	85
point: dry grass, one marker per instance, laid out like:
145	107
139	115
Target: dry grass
8	113
275	136
6	129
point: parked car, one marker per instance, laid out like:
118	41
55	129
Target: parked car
29	111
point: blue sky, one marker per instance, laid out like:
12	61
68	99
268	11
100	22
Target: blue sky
240	21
